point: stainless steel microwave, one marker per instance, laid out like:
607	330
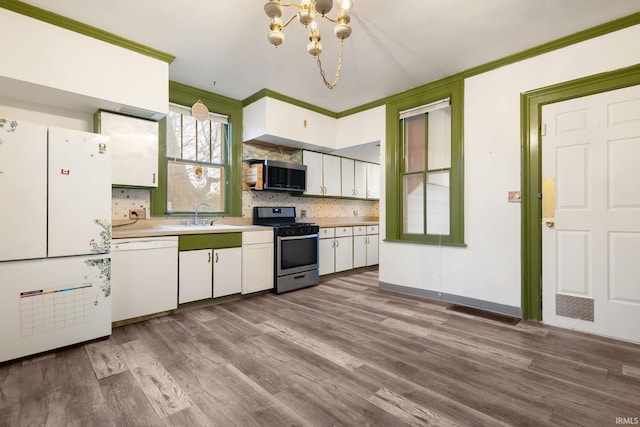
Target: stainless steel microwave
284	176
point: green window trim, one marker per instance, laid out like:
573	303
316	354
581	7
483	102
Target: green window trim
447	88
182	94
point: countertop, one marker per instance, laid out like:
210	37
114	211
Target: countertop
162	227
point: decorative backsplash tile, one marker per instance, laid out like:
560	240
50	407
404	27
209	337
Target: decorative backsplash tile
123	199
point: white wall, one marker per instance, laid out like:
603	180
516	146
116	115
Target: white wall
44	63
489	268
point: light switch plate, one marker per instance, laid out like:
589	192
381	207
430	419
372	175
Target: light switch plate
515	197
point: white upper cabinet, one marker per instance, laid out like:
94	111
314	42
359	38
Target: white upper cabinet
373	181
361	128
278	122
360	179
348	178
134	146
323	174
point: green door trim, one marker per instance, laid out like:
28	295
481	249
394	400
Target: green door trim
531	157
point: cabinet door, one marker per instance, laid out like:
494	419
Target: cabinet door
344	253
372	249
359	251
257	267
373	181
348	175
195	276
313	161
360	178
331	176
326	261
134	143
227	272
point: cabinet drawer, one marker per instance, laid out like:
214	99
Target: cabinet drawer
359	230
327	233
255	237
344	231
372	229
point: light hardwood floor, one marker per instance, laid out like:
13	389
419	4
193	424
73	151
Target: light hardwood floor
340	353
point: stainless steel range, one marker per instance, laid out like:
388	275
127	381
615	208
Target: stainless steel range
296	247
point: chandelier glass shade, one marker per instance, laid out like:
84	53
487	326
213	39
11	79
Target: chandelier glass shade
308	14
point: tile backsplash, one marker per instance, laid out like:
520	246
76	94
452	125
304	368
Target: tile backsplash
124	199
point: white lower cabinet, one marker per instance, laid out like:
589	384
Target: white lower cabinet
195	278
257	261
227	268
365	246
336	249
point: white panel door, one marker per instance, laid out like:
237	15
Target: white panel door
359	251
23	190
79	193
591	224
313	161
195	275
326	256
361	179
227	272
373	181
331	175
348	176
344	253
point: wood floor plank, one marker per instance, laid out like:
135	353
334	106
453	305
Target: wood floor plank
407	410
105	359
128	404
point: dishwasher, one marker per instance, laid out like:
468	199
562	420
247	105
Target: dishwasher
144	276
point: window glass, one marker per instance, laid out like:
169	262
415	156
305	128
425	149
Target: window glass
439	139
438	203
195	166
414	143
413	205
189	184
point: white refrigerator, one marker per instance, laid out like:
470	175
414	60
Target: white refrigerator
55	235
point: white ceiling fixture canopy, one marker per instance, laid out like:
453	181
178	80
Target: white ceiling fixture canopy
307	10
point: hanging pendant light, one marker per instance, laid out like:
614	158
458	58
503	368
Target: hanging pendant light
308	11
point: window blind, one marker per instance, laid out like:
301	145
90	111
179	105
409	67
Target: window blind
424	109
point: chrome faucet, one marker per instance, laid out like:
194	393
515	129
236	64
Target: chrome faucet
198	207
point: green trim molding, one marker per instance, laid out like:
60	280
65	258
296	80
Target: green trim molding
81	28
266	93
531	103
187	95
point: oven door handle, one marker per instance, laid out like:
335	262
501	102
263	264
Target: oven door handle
306	236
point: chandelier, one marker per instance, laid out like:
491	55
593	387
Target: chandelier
307	12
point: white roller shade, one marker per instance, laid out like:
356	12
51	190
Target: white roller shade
424	109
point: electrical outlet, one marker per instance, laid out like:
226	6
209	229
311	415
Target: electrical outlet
137	213
303	213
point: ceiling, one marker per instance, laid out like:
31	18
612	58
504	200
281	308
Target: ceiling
222	46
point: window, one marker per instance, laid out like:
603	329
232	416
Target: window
427	165
424	192
195	155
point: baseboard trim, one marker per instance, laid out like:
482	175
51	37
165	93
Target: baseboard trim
493	307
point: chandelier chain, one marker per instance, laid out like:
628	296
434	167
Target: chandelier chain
337	76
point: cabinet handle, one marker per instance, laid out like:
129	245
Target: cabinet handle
217	257
153	181
209	257
337	243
